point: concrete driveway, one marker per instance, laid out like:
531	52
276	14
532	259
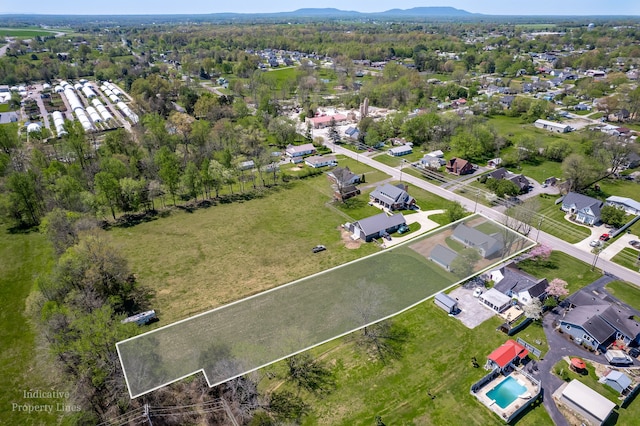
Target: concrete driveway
420	217
614	248
473	313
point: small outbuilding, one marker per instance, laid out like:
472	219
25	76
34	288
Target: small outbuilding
34	127
448	304
617	380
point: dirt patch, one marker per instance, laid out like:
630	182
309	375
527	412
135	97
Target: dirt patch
425	246
349	242
295	169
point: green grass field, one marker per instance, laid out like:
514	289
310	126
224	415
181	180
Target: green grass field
24	256
575	272
541	171
428	385
628	293
24	33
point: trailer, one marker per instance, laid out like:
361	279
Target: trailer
142	318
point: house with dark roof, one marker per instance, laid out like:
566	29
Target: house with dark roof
487	245
517	284
352	133
392	197
597	323
509	353
343	176
459	166
376	226
586	209
443	256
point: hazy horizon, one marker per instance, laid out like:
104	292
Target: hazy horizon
194	7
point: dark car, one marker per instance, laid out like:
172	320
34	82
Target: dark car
635	244
634	352
318	249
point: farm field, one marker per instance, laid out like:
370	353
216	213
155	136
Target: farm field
24	32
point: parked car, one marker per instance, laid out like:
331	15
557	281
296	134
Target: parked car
403	229
615	356
634	352
635	244
318	249
595	243
477	292
605	237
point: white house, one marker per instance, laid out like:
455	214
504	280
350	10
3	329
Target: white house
629	205
552	126
317	161
300	150
398	151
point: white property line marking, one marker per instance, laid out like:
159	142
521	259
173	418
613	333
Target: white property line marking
247	345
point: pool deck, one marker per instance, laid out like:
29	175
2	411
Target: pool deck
532	389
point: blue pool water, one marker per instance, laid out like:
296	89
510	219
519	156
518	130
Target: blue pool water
506	392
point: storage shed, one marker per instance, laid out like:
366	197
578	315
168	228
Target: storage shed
448	304
587	402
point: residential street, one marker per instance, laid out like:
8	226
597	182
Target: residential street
559	345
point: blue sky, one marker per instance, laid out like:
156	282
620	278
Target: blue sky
496	7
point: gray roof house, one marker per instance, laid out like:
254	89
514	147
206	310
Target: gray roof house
515	283
392	197
376	226
343	176
448	304
597	323
398	151
431	161
586	209
617	380
495	300
443	256
629	205
519	180
487	245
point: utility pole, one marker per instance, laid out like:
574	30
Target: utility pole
475	206
539	225
596	252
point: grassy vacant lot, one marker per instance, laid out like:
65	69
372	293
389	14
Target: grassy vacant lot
628	293
560	265
541	171
619	187
24	256
555	223
429	384
628	258
392	161
197	261
371	175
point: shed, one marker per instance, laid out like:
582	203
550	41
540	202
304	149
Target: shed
617	380
443	256
33	127
449	305
587	402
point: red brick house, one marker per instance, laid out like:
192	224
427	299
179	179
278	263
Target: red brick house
459	166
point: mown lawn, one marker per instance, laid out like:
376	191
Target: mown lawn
628	293
541	171
24	33
428	385
628	258
371	175
23	257
555	223
560	265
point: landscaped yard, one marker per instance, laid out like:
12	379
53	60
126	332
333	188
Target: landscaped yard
628	293
560	265
428	385
555	223
562	370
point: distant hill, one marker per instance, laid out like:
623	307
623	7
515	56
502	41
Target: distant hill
427	11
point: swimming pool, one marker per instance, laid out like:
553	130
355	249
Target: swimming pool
506	392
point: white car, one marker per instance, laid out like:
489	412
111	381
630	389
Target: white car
595	243
477	292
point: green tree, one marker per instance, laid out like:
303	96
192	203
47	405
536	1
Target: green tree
463	265
455	211
191	180
108	191
612	215
25	198
168	170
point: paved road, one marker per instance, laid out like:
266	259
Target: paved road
559	346
471	205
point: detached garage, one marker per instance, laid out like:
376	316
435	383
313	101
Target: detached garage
588	403
448	304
